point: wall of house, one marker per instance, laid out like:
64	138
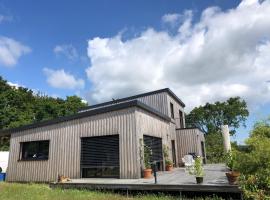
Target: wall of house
157	101
65	145
189	141
148	124
176	107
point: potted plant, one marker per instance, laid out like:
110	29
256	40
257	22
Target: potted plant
168	162
169	165
233	174
197	170
147	172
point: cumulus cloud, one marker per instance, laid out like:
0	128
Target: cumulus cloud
223	54
63	80
11	50
171	18
67	50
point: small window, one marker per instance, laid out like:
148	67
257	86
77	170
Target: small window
172	110
36	150
181	119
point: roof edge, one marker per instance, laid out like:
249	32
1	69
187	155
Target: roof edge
89	113
135	96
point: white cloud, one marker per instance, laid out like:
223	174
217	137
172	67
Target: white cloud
171	18
175	19
63	80
223	54
11	50
15	85
67	50
5	18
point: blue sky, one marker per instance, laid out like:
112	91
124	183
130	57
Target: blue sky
109	49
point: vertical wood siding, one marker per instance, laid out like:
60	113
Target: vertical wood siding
65	149
176	107
157	101
148	124
188	141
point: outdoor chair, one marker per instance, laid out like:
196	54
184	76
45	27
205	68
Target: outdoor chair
188	160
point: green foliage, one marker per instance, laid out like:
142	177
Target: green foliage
197	170
230	159
214	148
168	162
210	117
254	164
21	106
147	157
166	155
1	170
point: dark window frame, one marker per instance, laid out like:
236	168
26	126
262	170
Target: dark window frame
38	150
172	110
181	119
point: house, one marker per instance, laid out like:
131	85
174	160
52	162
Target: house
104	140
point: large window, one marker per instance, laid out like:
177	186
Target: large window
172	110
36	150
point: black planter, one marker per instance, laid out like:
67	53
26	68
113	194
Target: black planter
199	180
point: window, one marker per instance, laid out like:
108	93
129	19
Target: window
36	150
172	110
181	119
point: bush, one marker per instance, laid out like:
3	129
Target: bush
254	164
214	148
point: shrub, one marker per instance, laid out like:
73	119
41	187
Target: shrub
254	164
214	148
197	170
1	170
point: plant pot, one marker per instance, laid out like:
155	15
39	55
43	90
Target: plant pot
233	177
199	180
169	167
147	173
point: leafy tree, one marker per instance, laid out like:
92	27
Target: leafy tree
210	117
254	164
21	106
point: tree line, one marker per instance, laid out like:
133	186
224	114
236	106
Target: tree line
20	106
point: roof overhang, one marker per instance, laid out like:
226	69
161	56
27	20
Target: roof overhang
111	108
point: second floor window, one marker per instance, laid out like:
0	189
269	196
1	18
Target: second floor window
172	110
181	119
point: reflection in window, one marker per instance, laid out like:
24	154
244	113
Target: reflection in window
36	150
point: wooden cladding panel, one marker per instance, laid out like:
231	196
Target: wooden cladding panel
65	146
188	141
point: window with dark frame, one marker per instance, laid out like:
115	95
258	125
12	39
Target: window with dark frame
35	150
181	119
172	110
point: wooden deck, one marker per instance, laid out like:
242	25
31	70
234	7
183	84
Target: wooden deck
176	181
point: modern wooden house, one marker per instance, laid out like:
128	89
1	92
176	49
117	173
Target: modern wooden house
104	140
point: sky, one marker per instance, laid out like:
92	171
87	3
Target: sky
204	51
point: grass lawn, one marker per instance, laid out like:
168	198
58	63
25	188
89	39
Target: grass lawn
16	191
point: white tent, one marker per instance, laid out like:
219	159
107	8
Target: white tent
4	160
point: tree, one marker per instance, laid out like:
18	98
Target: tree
254	164
210	117
21	106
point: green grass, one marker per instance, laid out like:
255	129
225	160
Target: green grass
16	191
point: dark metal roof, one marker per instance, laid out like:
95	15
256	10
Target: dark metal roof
135	97
101	110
